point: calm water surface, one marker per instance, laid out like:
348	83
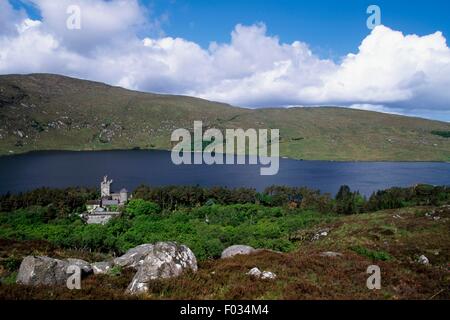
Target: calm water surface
129	169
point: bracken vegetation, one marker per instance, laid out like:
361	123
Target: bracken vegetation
391	229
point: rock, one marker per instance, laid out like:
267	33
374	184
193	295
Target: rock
106	135
331	254
264	275
134	257
102	267
320	234
255	272
237	250
42	271
423	260
164	260
85	267
267	275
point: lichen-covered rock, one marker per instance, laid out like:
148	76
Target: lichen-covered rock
237	250
423	260
102	267
134	257
164	260
42	271
85	267
267	275
264	275
255	272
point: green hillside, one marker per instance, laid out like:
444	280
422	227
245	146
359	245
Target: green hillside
50	112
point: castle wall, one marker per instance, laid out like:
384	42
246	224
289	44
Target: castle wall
101	218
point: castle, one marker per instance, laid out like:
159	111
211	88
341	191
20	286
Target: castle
109	198
104	209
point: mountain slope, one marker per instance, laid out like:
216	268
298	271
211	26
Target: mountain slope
50	112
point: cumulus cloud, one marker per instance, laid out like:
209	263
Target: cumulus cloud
9	18
390	72
102	23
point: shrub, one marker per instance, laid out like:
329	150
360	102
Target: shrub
139	207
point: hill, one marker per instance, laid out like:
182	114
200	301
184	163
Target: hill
51	112
391	239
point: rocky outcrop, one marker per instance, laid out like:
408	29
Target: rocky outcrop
163	260
237	250
152	261
85	267
134	257
42	271
48	271
102	267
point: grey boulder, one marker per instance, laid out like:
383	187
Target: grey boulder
255	272
267	275
264	275
237	250
85	267
164	260
42	271
134	257
102	267
423	260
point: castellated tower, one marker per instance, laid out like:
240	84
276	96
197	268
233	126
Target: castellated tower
105	187
123	196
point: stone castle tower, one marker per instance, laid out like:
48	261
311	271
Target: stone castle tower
123	196
105	187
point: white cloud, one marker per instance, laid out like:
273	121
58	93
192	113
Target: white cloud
102	22
9	18
391	68
390	72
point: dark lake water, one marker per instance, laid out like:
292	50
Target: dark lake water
132	168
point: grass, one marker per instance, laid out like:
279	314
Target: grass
76	113
372	254
391	239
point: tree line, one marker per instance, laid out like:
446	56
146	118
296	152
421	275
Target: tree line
63	202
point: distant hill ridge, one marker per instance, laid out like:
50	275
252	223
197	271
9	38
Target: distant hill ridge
52	112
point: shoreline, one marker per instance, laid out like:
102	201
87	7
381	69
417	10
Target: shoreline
282	157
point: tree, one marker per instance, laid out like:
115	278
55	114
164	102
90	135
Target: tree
139	207
348	202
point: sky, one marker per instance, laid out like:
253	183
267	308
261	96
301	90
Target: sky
249	53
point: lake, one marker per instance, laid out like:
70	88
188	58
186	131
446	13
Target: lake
59	169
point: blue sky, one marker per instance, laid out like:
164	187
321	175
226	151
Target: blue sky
251	53
333	28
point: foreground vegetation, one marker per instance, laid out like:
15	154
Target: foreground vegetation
51	112
391	229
